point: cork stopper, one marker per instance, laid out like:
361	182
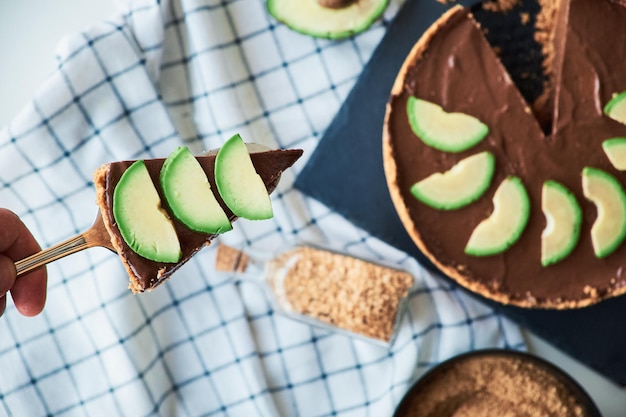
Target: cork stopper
229	259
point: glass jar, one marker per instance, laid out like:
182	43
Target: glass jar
327	288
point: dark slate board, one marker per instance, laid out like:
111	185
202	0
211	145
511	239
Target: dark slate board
346	173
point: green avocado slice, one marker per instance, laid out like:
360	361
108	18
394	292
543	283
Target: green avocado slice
499	231
142	222
616	107
188	192
311	18
448	132
463	184
615	150
563	222
238	183
606	192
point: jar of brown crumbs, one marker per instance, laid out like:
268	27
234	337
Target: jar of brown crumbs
327	288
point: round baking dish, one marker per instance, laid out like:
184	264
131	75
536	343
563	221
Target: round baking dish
496	382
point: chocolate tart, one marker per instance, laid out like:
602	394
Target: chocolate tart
146	274
454	66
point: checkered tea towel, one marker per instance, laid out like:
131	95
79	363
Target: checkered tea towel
193	72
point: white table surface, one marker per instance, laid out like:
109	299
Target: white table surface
29	32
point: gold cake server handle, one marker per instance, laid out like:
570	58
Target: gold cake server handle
96	235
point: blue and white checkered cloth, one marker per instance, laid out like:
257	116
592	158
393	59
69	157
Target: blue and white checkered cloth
193	72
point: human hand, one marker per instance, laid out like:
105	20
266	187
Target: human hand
16	242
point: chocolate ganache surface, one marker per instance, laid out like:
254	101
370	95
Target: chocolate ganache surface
454	66
146	274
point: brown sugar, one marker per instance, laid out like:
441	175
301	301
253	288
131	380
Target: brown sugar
496	385
524	18
500	5
346	292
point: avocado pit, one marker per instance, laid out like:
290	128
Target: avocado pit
337	4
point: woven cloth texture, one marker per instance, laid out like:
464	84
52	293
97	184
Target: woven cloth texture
161	74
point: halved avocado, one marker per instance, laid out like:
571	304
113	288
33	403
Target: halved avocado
563	221
616	107
463	184
499	231
448	132
332	19
609	228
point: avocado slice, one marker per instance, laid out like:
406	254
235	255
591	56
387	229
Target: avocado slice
463	184
142	222
615	150
189	195
238	183
563	221
331	19
609	228
448	132
616	107
499	231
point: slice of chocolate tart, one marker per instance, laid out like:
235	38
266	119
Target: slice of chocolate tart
135	202
555	239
